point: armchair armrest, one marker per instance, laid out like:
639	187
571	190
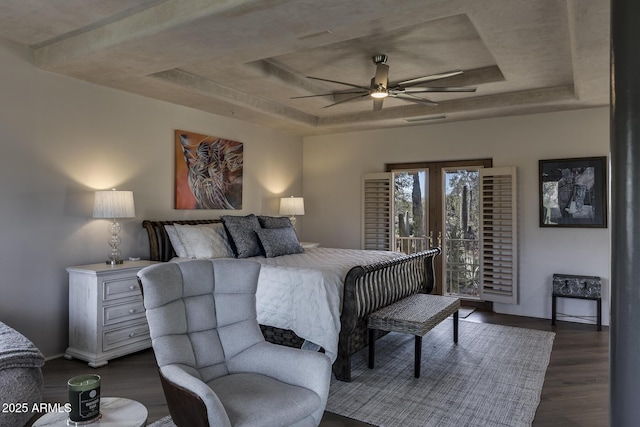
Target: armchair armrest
191	402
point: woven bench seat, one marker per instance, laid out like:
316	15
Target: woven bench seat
416	314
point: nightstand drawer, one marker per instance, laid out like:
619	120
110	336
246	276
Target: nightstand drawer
565	285
120	288
123	312
124	336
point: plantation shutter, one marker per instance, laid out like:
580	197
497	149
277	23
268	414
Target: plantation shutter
377	196
498	235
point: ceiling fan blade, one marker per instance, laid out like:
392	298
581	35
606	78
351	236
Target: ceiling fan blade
377	104
438	89
430	78
413	98
340	83
326	94
346	99
382	75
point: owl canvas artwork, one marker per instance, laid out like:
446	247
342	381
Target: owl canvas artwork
208	172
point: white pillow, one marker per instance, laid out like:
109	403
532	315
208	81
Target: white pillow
175	241
204	240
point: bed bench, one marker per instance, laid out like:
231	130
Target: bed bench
416	314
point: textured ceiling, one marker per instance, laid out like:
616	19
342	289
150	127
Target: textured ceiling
246	59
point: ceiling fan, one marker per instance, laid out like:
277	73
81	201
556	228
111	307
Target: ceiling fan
380	87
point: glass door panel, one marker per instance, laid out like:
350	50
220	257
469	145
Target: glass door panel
410	211
461	256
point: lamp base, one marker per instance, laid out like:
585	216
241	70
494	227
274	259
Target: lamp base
113	261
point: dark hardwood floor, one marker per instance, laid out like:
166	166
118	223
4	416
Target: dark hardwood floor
575	392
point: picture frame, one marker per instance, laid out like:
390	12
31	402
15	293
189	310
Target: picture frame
573	192
208	172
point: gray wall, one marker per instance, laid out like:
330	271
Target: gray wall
62	139
334	166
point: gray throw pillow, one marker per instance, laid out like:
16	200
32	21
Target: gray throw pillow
274	221
279	241
242	230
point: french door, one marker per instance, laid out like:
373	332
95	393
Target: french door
450	220
461	226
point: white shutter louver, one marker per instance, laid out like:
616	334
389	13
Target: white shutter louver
498	235
377	193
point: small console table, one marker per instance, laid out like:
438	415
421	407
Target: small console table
583	287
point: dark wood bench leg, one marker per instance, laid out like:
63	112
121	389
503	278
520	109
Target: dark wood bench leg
599	314
418	357
554	303
455	327
372	347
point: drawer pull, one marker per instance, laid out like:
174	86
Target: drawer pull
132	334
132	287
133	310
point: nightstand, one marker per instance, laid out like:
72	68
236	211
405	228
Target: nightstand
106	314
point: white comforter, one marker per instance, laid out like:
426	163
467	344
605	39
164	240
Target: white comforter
303	292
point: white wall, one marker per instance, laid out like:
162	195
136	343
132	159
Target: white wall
61	140
333	167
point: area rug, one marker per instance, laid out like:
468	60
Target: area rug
492	377
163	422
465	312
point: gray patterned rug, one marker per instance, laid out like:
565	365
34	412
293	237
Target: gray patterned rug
163	422
492	377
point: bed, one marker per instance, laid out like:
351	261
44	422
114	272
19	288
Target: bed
340	287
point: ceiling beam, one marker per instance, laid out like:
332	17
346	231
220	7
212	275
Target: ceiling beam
520	98
212	89
136	24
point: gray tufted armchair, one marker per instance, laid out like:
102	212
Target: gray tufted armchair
215	367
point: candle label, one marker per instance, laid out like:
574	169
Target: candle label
87	405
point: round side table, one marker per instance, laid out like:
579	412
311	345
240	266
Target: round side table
114	411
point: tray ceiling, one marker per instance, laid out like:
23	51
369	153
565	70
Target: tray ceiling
247	59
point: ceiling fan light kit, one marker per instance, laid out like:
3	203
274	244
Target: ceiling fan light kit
379	92
380	87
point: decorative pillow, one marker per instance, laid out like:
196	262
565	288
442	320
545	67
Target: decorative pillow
178	247
242	230
279	241
274	221
204	240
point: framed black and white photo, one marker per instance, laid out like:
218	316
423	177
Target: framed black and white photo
573	192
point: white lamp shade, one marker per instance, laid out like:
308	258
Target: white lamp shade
291	206
114	204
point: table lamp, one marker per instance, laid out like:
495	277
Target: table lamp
114	204
292	206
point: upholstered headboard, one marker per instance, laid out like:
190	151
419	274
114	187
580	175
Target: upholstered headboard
160	248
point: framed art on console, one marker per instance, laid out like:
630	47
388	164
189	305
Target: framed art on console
208	172
573	192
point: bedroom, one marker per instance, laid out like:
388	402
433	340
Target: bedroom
64	138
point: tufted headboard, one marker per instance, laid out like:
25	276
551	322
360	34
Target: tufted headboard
160	248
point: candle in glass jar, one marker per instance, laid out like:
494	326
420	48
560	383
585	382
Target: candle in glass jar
84	397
